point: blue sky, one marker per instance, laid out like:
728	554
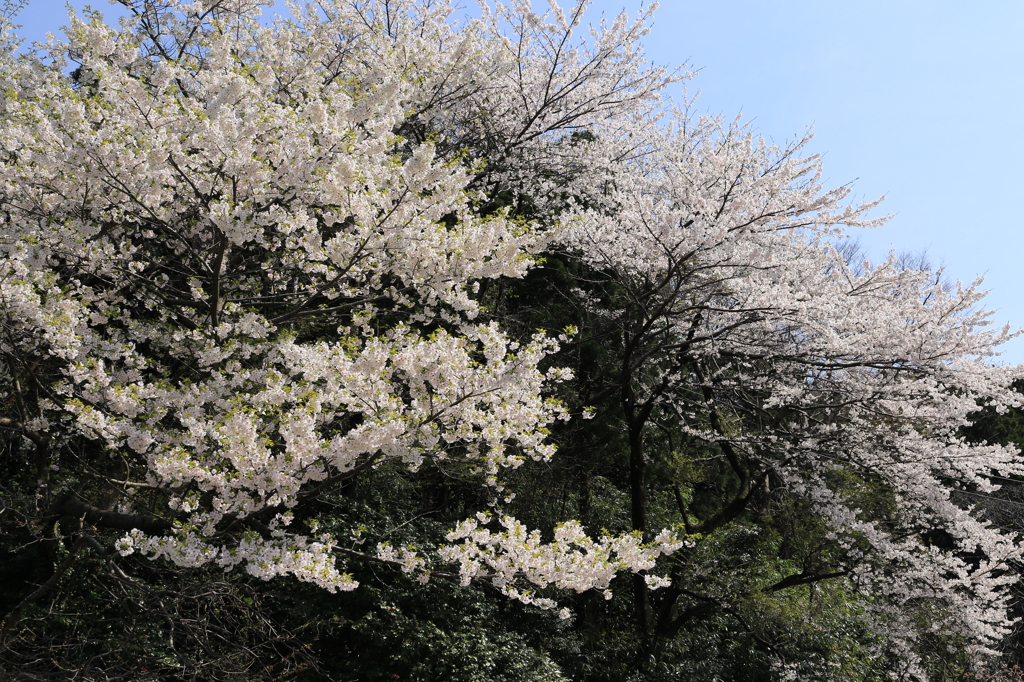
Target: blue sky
919	100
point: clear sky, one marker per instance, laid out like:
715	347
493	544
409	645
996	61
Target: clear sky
919	100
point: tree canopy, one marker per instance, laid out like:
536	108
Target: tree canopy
463	328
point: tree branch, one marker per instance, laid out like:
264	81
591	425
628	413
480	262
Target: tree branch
154	525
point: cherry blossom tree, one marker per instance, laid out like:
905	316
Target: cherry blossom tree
236	272
246	264
742	332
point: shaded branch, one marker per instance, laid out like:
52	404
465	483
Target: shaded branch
103	518
803	579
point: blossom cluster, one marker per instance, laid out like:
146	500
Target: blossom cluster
571	561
